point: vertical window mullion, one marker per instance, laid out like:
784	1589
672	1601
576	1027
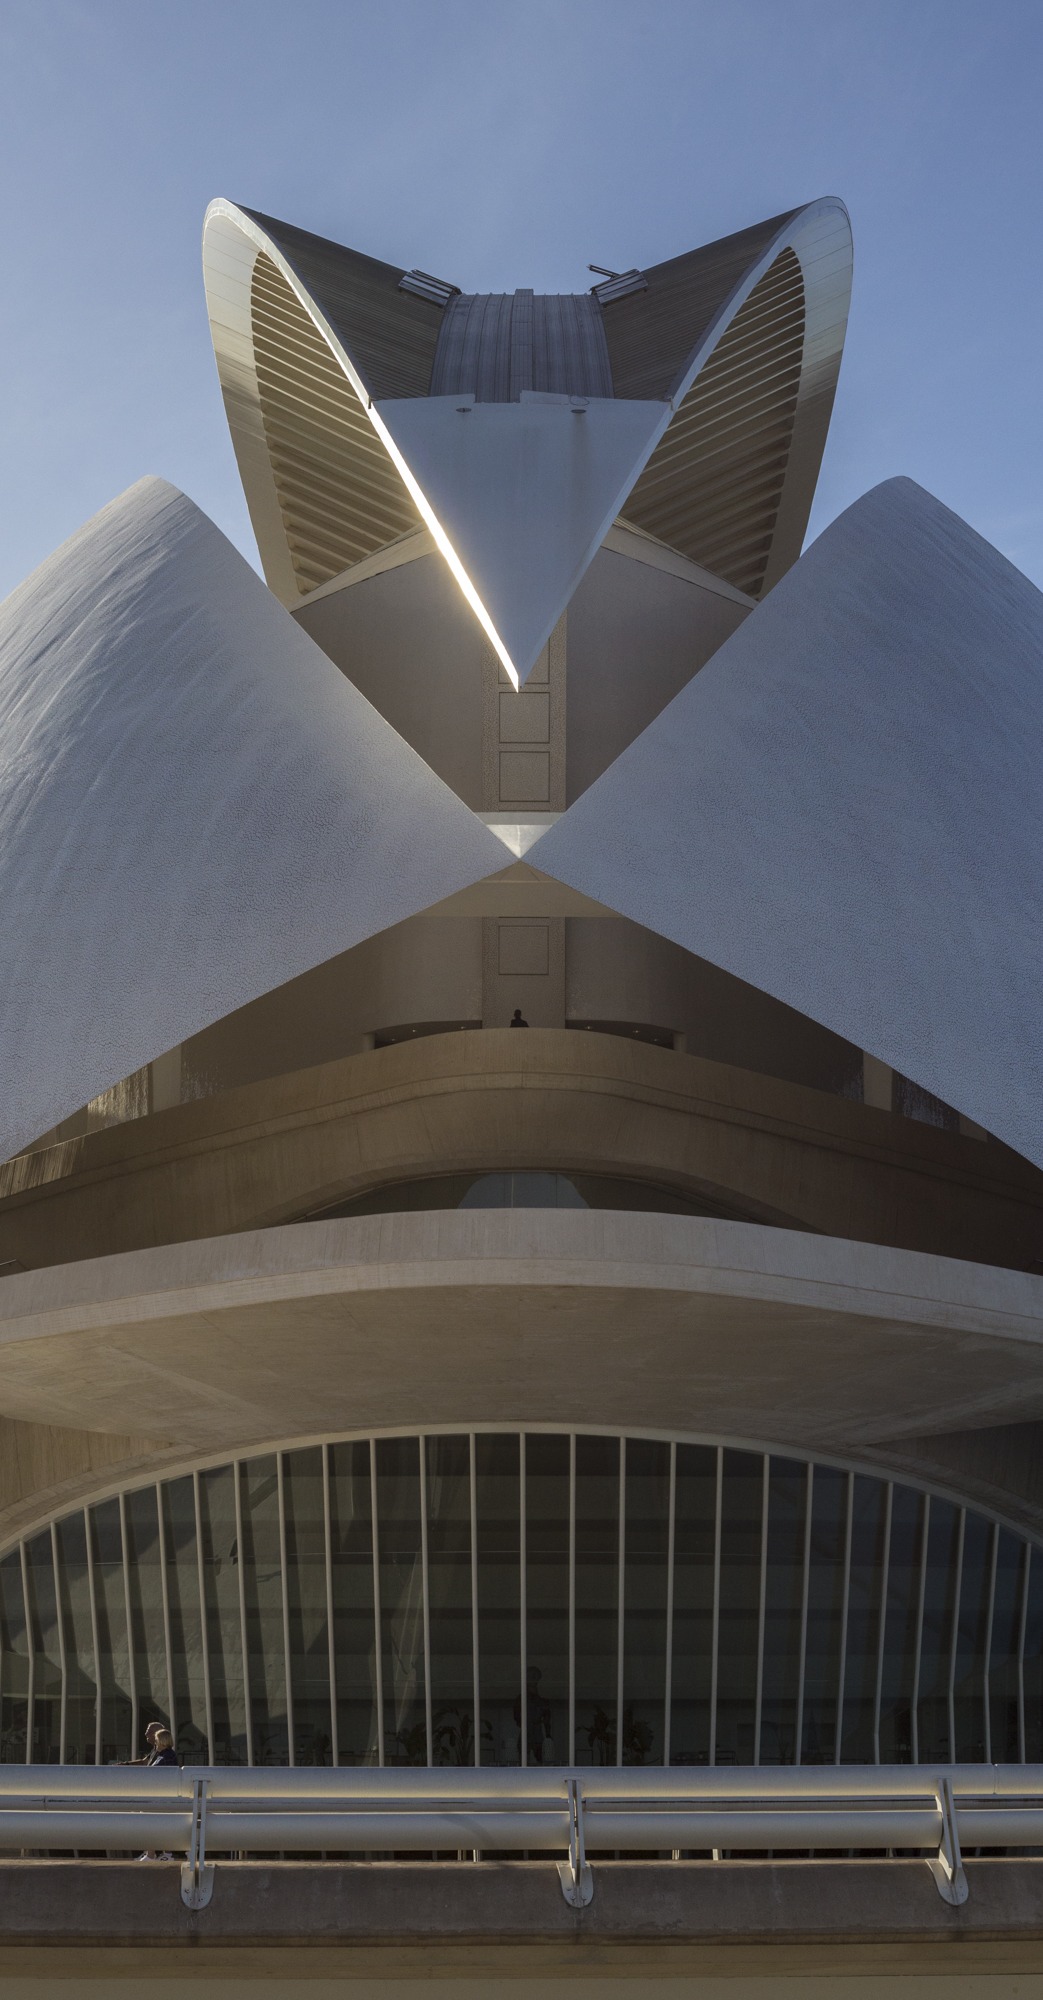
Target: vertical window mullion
914	1718
523	1605
715	1628
845	1608
671	1532
885	1571
1022	1628
475	1659
30	1647
132	1667
62	1656
805	1592
291	1734
994	1546
244	1627
204	1633
95	1641
762	1610
572	1597
164	1582
378	1644
621	1595
425	1590
954	1631
331	1644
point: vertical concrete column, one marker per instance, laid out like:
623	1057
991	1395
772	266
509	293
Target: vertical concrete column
523	771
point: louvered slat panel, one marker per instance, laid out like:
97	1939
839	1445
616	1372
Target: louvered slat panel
339	494
712	487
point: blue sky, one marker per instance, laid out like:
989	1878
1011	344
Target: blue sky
511	144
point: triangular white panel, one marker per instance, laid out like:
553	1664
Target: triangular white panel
521	496
843	807
195	805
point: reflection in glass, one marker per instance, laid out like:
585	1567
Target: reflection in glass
14	1662
449	1584
783	1610
265	1638
113	1648
223	1614
402	1605
547	1595
597	1598
525	1189
742	1507
869	1522
305	1504
498	1494
647	1541
902	1624
459	1597
147	1624
696	1560
354	1642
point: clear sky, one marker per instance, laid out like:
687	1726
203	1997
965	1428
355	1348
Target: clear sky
504	143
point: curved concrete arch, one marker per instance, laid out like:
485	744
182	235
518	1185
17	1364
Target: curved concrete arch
842	807
271	1152
518	495
644	1321
195	805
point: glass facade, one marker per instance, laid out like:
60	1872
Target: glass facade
500	1597
526	1190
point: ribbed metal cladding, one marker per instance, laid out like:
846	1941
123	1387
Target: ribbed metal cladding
546	1597
390	333
711	489
339	493
495	345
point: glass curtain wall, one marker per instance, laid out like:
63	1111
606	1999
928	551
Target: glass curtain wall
543	1597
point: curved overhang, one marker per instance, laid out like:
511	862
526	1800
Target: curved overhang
557	1317
488	1100
519	494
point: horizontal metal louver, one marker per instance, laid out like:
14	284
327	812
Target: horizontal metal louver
340	496
711	489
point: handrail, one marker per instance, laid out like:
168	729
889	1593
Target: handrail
363	1809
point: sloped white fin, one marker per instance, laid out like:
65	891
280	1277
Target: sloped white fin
520	497
843	807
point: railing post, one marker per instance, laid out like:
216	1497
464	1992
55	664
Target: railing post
577	1882
197	1873
947	1867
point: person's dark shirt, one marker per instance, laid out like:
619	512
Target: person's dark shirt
168	1756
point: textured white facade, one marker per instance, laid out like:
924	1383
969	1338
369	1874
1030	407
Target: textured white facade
195	805
843	806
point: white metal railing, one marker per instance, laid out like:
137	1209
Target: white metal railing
896	1809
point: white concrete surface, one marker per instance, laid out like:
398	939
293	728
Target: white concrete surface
195	805
843	807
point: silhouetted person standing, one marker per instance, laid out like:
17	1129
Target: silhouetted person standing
517	1021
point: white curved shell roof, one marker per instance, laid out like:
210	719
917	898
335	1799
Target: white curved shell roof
195	805
843	807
